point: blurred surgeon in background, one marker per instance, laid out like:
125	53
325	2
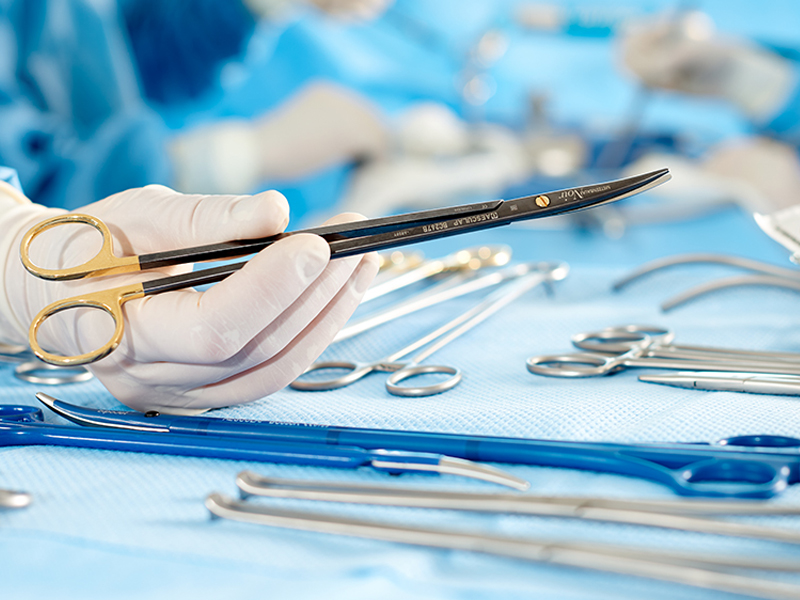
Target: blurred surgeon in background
78	80
81	84
683	53
84	87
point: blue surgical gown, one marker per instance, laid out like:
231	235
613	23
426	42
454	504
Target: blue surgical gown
80	82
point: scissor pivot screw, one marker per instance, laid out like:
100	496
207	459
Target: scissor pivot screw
542	201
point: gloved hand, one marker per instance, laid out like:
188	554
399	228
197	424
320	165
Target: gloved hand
445	165
683	53
350	10
759	174
242	339
767	168
320	126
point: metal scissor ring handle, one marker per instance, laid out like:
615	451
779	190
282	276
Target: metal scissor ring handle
410	371
617	340
109	301
104	262
572	365
27	371
355	372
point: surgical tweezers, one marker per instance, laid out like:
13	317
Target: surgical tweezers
344	239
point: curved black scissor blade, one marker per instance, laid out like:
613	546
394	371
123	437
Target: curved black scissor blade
581	198
520	209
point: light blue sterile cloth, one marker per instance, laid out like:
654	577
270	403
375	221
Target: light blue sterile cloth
125	525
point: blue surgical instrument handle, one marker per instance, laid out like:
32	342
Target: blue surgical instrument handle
25	426
757	467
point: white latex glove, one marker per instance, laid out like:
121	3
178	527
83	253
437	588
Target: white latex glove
351	10
683	53
362	10
770	169
242	339
496	159
320	126
431	129
759	174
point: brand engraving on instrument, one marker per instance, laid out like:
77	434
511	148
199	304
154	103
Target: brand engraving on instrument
490	216
580	192
484	206
434	227
290	424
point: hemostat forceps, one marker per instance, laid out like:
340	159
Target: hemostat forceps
442	336
345	239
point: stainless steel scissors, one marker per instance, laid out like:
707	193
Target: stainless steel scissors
345	239
539	273
619	339
648	347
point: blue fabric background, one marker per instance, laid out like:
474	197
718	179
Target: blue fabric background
119	525
134	525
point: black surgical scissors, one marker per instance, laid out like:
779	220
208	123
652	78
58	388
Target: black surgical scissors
345	239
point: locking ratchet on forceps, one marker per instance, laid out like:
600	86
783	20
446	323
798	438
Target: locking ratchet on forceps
346	239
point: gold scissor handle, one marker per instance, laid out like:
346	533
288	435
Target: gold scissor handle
109	301
103	263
